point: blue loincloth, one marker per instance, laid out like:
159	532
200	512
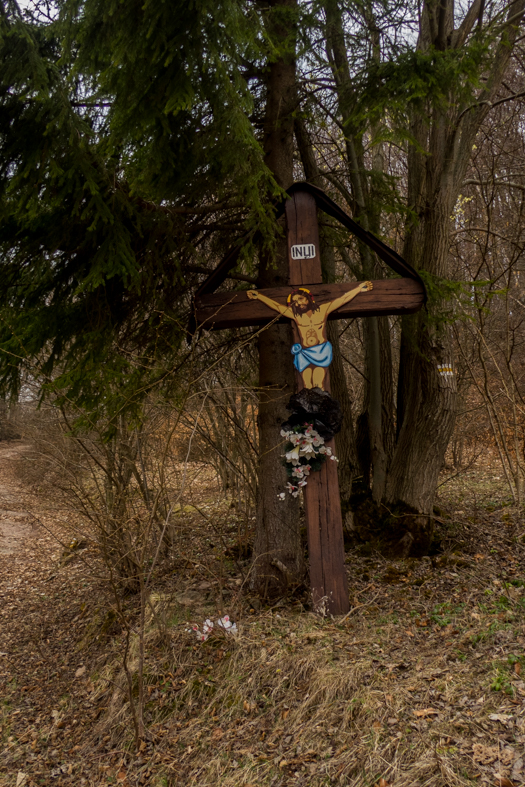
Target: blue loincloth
318	355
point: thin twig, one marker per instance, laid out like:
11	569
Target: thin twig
359	606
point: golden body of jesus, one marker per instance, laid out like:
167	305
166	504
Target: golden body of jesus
314	354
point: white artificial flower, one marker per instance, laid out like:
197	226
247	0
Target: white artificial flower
208	625
307	444
227	624
293	456
202	636
308	450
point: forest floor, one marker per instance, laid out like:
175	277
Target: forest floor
421	684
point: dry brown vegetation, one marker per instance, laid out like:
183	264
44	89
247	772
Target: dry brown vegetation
117	542
422	684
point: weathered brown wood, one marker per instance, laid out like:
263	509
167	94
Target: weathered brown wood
326	552
303	231
324	528
235	309
324	525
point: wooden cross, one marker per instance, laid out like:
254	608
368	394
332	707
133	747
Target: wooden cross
235	309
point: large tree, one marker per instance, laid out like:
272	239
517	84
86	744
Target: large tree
404	93
278	553
127	154
131	151
137	139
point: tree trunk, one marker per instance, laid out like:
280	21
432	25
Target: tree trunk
371	445
388	414
345	443
375	410
436	168
278	554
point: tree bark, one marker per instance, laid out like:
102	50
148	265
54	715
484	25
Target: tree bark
436	167
278	554
345	445
426	398
345	441
370	427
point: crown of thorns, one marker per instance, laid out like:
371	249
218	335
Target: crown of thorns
298	291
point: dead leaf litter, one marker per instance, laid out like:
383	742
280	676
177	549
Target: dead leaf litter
422	685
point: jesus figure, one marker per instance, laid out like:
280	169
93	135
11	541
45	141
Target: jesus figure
314	354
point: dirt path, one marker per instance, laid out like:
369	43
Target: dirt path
15	523
45	608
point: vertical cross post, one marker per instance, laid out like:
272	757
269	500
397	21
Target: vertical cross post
311	350
324	522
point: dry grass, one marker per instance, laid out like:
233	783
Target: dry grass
420	685
297	700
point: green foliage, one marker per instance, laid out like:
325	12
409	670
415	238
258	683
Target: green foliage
178	104
445	613
422	81
501	680
116	122
448	300
78	251
130	147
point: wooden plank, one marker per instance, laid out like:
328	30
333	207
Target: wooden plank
304	261
324	528
326	552
235	309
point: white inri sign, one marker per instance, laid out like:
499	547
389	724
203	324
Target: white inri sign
304	251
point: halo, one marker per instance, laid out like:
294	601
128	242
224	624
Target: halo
296	292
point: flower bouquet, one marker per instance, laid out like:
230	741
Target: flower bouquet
305	452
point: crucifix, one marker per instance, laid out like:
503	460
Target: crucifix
308	304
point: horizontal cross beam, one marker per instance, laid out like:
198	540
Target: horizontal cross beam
235	310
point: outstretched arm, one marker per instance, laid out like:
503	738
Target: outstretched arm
364	286
277	307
